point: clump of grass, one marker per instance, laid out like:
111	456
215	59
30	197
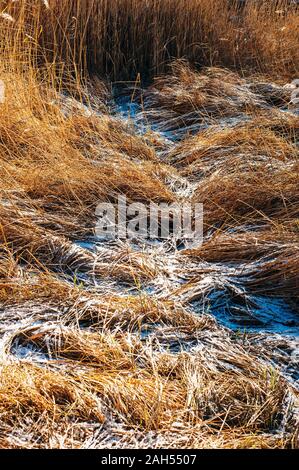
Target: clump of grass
279	275
188	98
283	124
264	195
220	149
31	393
104	351
246	246
105	137
37	246
266	260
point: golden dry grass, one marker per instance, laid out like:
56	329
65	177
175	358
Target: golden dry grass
141	393
103	348
126	37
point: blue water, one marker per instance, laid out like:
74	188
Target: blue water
254	313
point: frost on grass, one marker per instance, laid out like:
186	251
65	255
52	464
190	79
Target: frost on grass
142	344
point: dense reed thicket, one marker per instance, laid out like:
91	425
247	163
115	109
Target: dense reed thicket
125	37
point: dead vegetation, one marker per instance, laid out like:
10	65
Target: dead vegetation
140	387
115	344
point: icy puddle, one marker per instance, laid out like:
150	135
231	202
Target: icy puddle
264	314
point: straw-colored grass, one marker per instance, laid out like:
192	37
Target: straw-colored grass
106	347
139	394
126	37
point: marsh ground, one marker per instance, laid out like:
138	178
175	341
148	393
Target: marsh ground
130	343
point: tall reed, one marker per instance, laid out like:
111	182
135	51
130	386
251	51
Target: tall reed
125	37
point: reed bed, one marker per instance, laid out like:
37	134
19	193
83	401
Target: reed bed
124	37
116	343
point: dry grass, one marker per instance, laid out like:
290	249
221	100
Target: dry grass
188	98
248	246
33	394
264	194
105	348
268	258
124	38
142	393
218	150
